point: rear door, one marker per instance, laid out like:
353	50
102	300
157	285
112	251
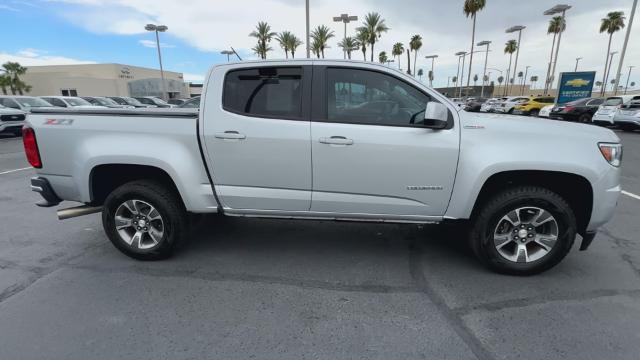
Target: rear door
258	139
370	155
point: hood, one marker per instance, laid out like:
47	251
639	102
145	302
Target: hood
8	111
529	128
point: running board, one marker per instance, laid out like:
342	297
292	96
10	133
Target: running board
78	211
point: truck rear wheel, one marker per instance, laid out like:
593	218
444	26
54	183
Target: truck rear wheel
145	220
523	231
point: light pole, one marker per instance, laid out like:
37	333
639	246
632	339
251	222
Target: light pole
519	29
345	18
308	36
577	61
561	8
486	57
628	77
462	54
433	58
159	29
459	55
524	79
606	76
624	46
228	53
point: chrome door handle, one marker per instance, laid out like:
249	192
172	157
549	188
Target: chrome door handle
230	135
336	140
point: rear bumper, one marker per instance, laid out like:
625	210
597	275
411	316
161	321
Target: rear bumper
602	119
42	187
630	121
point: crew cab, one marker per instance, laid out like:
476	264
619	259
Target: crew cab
329	140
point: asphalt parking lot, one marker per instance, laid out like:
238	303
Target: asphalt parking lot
272	289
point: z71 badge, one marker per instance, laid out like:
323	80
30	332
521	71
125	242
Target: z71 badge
58	122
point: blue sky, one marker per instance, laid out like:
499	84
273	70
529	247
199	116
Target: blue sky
38	32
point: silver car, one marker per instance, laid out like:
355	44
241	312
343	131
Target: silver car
627	117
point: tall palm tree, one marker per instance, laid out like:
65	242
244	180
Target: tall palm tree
471	8
454	80
382	57
556	25
321	35
349	44
264	35
397	50
420	72
374	26
13	71
362	35
284	39
293	43
415	44
5	81
614	22
475	79
500	79
509	48
316	48
533	79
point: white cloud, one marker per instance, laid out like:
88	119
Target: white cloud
152	44
35	57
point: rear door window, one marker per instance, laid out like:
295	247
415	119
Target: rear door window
614	101
273	92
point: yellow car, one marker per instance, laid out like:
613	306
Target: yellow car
533	105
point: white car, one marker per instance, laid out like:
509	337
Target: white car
11	120
70	102
546	111
24	103
490	105
607	111
507	105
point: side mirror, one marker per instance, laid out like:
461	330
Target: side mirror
436	116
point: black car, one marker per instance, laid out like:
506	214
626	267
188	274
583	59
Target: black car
474	104
579	110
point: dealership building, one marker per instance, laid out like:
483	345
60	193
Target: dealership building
104	80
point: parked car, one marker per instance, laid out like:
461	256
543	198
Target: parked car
474	104
193	103
390	158
24	103
506	106
106	102
69	102
605	113
177	102
546	111
533	105
490	105
627	117
579	110
152	100
126	100
11	120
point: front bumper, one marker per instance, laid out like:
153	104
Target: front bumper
7	126
42	186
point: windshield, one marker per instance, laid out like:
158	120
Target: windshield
191	103
32	102
105	101
77	102
159	101
613	101
132	101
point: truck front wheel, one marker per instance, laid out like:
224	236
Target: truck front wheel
523	231
145	220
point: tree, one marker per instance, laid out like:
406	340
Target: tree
454	79
500	79
475	79
321	36
414	45
420	72
349	44
284	39
316	49
471	8
633	83
5	81
374	26
294	43
362	35
599	84
382	57
509	48
397	50
264	35
614	22
533	79
13	71
556	25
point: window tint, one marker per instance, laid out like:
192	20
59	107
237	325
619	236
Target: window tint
595	102
9	103
369	97
614	101
267	91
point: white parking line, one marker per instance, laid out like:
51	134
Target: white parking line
637	197
15	170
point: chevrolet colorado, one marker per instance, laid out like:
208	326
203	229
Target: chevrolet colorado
337	140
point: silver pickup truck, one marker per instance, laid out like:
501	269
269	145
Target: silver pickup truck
329	140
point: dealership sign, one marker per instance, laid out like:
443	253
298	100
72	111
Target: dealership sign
575	85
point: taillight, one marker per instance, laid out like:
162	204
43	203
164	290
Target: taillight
568	108
31	147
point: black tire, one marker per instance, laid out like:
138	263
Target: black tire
584	118
510	111
487	219
165	201
534	112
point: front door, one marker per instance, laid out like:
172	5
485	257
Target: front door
370	155
258	142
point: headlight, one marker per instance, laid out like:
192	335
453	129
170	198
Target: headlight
612	153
